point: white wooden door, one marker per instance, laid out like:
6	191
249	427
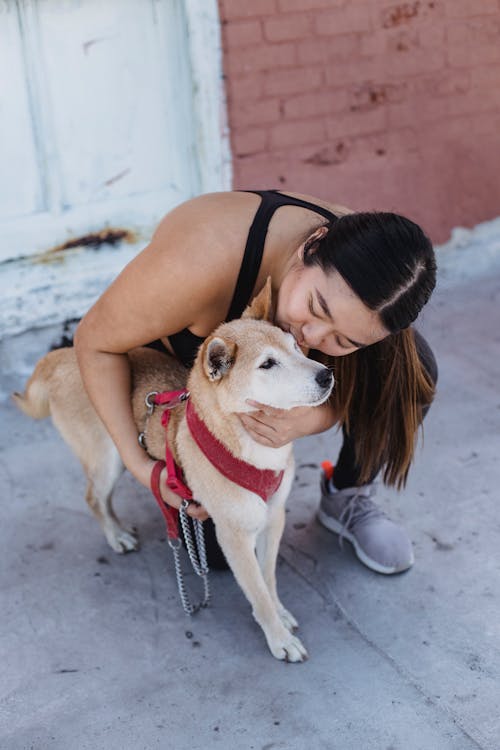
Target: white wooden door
102	132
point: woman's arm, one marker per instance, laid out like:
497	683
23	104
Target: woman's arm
154	296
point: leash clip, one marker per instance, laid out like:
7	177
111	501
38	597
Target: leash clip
175	484
178	399
150	401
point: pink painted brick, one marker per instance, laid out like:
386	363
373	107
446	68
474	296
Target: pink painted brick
345	20
255	113
297	133
266	170
412	14
324	155
289	6
449	82
474	42
232	9
485	76
402	115
418	62
357	123
401	148
474	32
432	36
250	141
448	130
420	110
484	124
400	14
294	81
322	102
465	57
374	43
376	94
385	145
244	88
411	40
474	101
288	26
316	50
468	8
261	57
356	71
242	34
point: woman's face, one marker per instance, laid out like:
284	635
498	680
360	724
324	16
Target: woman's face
323	313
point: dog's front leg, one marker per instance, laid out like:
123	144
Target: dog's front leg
239	549
268	543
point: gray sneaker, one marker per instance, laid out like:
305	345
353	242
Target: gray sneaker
379	543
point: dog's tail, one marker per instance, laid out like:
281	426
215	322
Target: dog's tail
35	400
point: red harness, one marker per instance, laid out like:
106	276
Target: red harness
264	482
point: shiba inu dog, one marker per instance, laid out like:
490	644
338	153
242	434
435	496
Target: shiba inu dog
245	359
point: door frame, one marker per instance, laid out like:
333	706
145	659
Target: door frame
43	288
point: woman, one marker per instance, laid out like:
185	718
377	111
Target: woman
347	285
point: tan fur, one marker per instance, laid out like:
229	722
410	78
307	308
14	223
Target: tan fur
227	364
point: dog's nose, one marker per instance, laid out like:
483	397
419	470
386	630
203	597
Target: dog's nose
324	378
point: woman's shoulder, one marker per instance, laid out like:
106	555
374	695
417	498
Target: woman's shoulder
230	207
211	209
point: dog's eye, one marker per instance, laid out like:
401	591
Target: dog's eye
270	362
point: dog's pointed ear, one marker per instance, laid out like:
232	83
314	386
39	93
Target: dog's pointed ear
218	357
261	307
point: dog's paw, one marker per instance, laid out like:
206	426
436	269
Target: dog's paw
290	649
122	540
288	619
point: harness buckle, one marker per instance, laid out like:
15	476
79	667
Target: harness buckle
176	485
150	401
178	399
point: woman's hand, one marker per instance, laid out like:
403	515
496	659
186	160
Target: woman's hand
277	427
194	509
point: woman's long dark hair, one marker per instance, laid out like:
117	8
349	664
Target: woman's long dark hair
380	391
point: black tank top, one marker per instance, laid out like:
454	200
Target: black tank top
185	343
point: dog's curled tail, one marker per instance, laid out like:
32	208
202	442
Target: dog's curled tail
35	400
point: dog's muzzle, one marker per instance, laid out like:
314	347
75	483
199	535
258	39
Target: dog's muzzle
324	378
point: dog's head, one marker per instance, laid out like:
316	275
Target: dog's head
251	358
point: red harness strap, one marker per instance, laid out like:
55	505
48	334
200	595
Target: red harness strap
174	474
264	482
171	515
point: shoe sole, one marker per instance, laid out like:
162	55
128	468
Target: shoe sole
332	525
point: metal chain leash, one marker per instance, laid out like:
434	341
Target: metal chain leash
196	549
197	555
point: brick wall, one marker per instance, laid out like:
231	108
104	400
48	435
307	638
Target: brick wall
373	104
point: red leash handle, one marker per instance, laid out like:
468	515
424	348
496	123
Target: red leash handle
174	474
171	515
174	481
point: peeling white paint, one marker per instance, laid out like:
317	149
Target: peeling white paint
212	133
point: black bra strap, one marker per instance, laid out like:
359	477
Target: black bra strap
252	258
254	248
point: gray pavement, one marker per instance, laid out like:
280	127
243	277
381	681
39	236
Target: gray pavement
96	652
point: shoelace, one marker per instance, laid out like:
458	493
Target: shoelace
358	508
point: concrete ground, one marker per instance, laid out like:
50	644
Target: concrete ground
96	652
